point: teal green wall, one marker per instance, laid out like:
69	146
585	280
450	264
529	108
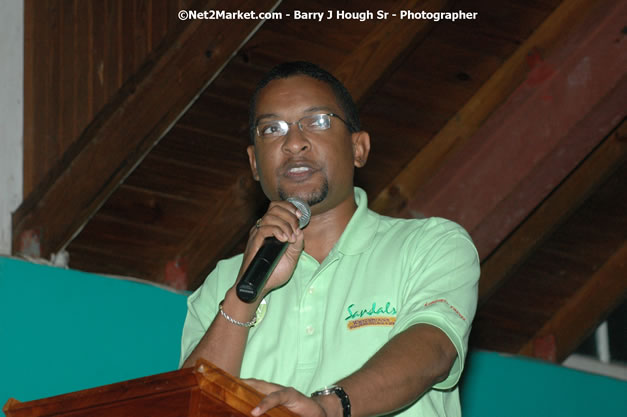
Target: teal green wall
510	386
64	330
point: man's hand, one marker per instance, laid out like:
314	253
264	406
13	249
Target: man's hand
290	398
281	221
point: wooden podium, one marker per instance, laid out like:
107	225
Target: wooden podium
204	390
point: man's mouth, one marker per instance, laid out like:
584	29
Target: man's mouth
299	170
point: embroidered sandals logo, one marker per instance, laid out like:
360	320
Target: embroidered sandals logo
372	316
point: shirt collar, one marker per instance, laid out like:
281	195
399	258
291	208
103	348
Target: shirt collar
360	231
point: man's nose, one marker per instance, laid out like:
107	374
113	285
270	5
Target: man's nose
295	140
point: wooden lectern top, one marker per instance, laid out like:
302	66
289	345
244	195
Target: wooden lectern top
204	390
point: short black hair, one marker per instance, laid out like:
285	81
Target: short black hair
289	69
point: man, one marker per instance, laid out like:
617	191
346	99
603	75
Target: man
379	307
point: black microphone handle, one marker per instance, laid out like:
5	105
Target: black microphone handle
260	269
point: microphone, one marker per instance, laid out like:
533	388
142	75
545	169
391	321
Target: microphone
266	259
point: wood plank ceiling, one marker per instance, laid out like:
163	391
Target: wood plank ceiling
512	124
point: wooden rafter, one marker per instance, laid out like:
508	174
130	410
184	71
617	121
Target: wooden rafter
383	48
571	100
566	107
130	126
200	251
393	199
583	311
575	189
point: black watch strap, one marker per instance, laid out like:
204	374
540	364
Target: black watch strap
343	396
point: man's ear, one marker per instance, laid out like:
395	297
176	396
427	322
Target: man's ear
361	148
252	160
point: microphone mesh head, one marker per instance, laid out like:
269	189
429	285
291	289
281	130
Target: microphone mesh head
304	208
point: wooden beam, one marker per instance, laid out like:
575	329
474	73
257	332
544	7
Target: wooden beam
524	197
570	102
583	311
393	199
380	51
214	238
131	125
595	169
549	172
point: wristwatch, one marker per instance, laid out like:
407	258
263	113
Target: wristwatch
339	391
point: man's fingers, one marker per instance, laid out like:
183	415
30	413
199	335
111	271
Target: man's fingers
270	401
280	228
284	212
291	399
263	386
287	397
269	390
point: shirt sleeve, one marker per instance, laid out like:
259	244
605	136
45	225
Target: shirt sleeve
442	269
202	307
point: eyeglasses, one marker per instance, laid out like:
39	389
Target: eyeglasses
310	124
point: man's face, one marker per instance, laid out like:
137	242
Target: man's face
314	166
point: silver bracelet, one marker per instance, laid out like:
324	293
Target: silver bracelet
236	322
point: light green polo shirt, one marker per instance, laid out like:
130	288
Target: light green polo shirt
383	276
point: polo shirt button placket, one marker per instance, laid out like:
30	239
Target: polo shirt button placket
309	330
